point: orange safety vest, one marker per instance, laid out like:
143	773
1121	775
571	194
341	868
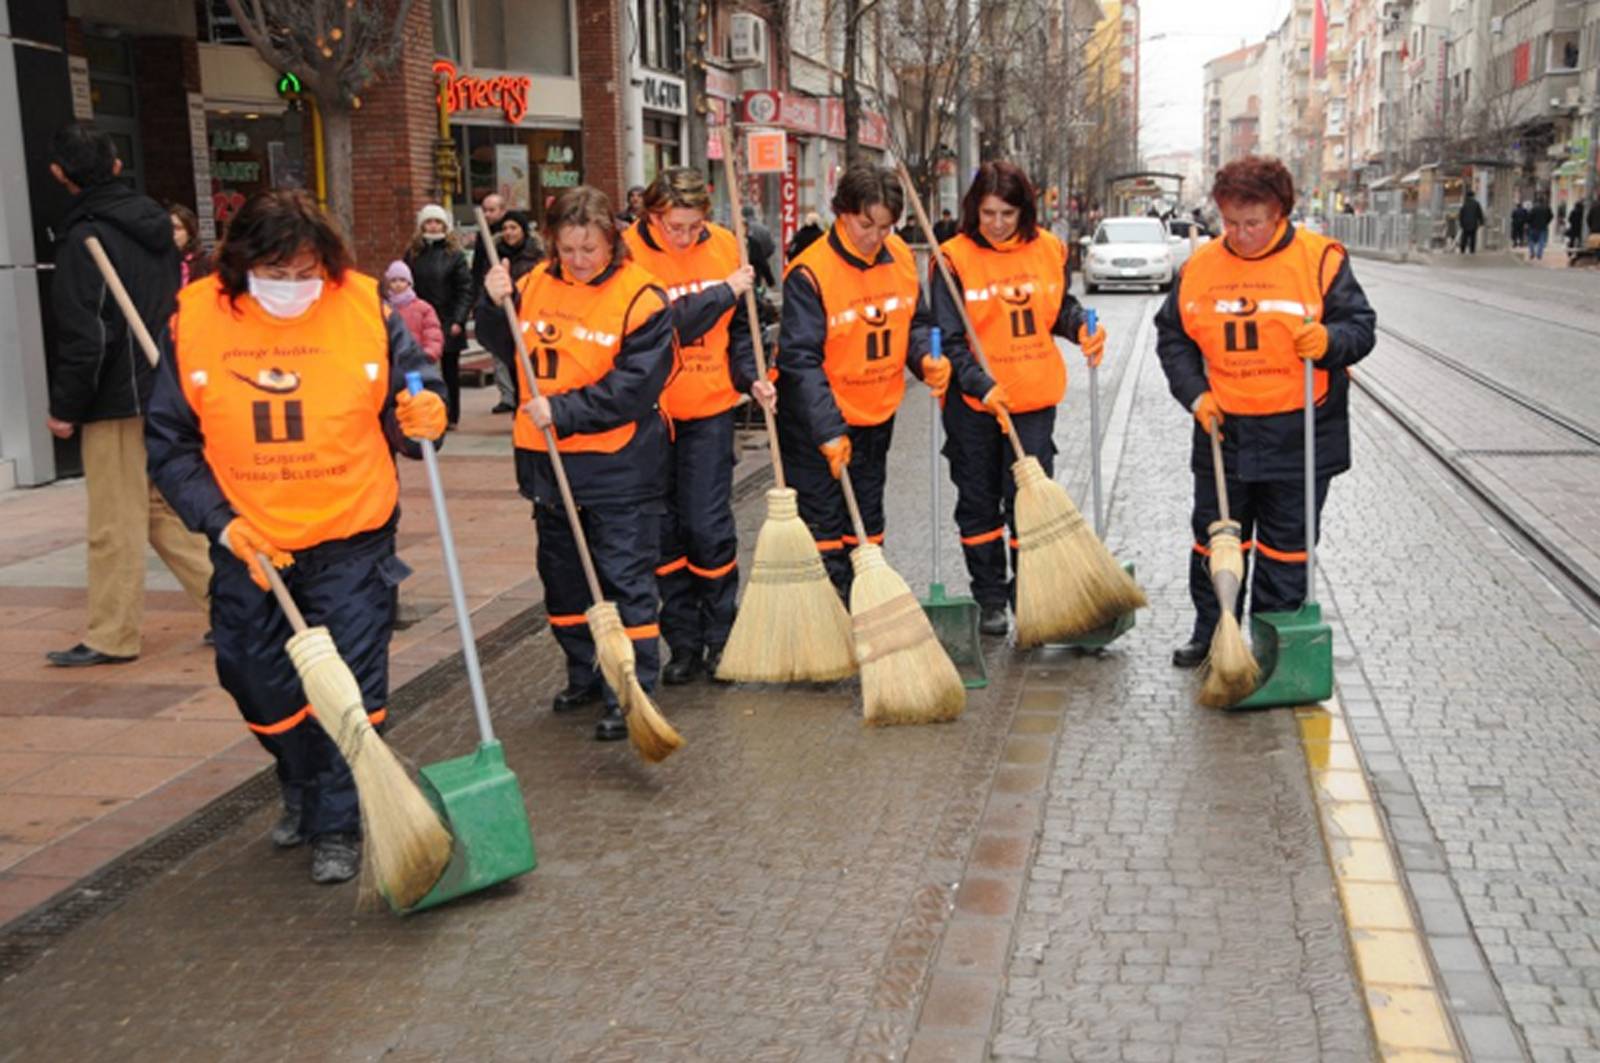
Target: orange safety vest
869	327
1013	297
290	409
702	385
1243	314
574	333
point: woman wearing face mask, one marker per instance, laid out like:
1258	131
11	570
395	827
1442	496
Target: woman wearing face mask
1233	337
852	324
442	276
520	249
600	340
1015	279
278	405
698	263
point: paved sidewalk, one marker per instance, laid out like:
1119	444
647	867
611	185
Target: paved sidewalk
96	762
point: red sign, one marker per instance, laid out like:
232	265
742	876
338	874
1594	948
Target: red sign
811	116
463	92
1521	64
789	196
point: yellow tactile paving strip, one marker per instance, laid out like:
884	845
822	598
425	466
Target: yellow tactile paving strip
1408	1015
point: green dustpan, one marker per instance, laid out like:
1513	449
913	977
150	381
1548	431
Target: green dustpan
1295	649
477	795
954	620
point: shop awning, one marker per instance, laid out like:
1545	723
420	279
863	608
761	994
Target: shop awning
1411	178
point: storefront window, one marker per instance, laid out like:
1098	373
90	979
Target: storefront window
251	152
446	30
531	35
526	166
662	146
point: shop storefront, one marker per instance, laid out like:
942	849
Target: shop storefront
502	145
665	113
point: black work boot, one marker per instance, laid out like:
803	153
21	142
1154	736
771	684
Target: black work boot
576	697
287	833
684	666
992	620
611	727
713	662
1190	654
335	857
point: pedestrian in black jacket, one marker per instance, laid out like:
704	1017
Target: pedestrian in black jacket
443	278
761	246
1575	226
1519	224
1539	219
100	383
1594	218
520	249
804	236
1471	220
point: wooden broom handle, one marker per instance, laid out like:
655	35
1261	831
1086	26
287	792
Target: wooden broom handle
285	599
955	291
850	502
732	178
1217	470
549	436
120	294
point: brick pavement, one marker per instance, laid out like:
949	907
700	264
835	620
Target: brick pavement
789	887
97	762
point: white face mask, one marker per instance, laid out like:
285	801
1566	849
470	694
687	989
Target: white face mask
433	238
285	298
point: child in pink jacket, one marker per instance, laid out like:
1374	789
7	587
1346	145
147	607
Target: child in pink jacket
421	320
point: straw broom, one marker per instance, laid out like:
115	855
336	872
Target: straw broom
906	675
791	626
1230	673
651	734
1068	583
407	847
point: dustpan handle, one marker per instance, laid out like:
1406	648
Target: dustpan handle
1311	484
458	596
935	347
1092	322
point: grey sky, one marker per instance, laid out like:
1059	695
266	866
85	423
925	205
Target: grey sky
1172	68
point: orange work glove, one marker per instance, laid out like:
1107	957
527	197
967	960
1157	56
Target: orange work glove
1311	340
421	416
1207	411
936	374
245	541
837	451
998	403
1093	343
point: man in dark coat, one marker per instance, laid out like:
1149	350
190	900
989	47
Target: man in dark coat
100	380
804	236
1538	233
761	246
1519	224
1470	220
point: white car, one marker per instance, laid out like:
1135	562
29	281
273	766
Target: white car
1129	252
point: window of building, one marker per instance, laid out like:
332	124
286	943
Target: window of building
661	146
531	35
526	166
447	31
1564	52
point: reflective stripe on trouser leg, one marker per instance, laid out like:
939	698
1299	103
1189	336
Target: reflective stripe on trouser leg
1279	581
354	597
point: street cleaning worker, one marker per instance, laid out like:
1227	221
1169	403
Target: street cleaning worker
600	339
852	323
1232	336
697	262
1015	281
277	409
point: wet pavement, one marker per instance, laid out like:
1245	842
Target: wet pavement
1084	866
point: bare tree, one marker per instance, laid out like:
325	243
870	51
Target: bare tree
337	48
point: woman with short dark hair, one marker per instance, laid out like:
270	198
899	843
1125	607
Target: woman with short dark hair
1233	335
853	322
1016	282
600	336
278	406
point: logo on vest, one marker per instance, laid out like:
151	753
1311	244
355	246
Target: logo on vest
1241	307
273	381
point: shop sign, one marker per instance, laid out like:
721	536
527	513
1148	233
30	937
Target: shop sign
200	156
82	93
766	151
789	197
467	92
721	84
663	93
811	116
